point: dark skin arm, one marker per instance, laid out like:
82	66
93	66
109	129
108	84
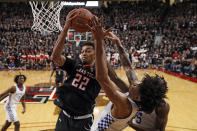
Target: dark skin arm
51	76
119	82
136	128
6	92
126	63
23	104
122	107
162	116
57	56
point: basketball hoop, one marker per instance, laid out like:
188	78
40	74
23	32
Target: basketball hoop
46	16
77	40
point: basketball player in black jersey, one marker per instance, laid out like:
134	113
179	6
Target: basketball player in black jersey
77	96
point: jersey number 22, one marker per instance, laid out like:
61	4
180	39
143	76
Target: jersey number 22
80	81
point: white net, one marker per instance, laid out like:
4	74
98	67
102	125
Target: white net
46	16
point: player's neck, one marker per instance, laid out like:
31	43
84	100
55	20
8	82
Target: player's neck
20	85
92	64
88	64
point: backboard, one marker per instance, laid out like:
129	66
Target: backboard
72	35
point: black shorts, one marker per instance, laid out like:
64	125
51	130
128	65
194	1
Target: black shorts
64	123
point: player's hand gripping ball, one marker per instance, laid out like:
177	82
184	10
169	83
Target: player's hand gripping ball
79	22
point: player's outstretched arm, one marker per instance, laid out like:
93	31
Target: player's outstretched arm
6	92
126	63
59	45
117	80
120	101
123	56
101	61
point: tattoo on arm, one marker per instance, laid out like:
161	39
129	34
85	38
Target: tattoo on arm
132	77
124	58
121	49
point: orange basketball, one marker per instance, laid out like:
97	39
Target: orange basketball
83	18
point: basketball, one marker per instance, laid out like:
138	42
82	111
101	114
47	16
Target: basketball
83	18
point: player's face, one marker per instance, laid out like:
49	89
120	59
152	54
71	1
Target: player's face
21	80
87	54
134	93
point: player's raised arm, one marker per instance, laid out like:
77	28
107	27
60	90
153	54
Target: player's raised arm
117	98
59	45
126	63
117	80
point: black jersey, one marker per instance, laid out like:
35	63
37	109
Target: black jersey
78	93
59	74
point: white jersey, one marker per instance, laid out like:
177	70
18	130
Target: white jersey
145	121
106	122
11	104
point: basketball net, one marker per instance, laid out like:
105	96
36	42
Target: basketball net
77	42
46	16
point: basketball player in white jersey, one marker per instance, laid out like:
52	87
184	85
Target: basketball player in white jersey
122	108
15	94
154	121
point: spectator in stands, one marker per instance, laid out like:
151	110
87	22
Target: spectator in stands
139	20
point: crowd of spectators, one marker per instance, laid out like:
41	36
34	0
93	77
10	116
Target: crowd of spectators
154	35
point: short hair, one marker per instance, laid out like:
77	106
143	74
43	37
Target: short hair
153	90
87	44
17	77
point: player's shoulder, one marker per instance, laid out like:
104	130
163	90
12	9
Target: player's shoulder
163	109
69	61
12	89
164	106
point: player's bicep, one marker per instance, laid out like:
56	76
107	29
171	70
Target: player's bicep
111	91
59	61
9	90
